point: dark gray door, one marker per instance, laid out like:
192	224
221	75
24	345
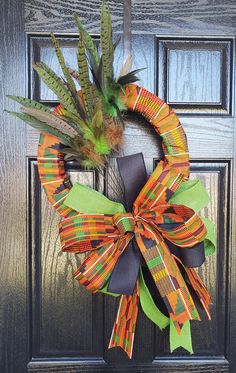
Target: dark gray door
48	323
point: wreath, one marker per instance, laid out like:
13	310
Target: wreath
146	249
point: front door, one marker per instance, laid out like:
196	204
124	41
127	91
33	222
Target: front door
48	322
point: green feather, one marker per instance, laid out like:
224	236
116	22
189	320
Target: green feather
42	127
64	68
84	78
106	42
101	146
27	102
89	43
97	123
57	87
51	73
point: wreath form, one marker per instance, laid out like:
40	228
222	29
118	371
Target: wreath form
57	185
54	177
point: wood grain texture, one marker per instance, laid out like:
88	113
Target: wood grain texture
217	366
68	329
184	17
58	15
61	310
13	291
194	75
231	259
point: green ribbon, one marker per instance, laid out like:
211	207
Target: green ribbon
183	339
191	194
87	200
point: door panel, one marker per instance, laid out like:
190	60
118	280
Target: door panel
188	50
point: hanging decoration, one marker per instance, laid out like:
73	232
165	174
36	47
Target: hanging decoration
145	250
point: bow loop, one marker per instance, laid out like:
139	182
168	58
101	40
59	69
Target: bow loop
181	226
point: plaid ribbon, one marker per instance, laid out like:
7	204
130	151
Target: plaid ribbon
151	222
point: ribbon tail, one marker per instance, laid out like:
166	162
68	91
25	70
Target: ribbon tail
184	339
149	307
124	327
198	286
168	279
199	289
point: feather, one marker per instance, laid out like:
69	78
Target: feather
89	43
90	155
106	42
57	86
84	78
30	103
51	73
129	78
97	123
42	127
116	43
77	104
52	120
98	77
64	68
101	146
114	133
74	74
126	66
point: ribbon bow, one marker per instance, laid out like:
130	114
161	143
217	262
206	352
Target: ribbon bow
153	223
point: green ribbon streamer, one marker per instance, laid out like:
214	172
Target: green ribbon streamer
183	339
191	194
149	307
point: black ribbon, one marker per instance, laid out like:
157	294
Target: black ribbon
124	276
134	176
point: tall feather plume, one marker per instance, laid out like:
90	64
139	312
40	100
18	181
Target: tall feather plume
90	45
52	120
106	42
52	73
57	86
42	127
27	102
84	77
64	68
69	81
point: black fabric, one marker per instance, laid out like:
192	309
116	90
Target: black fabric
191	257
134	176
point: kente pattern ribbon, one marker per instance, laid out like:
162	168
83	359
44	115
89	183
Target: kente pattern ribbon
153	222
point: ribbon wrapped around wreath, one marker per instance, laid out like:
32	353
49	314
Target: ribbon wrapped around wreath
152	222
